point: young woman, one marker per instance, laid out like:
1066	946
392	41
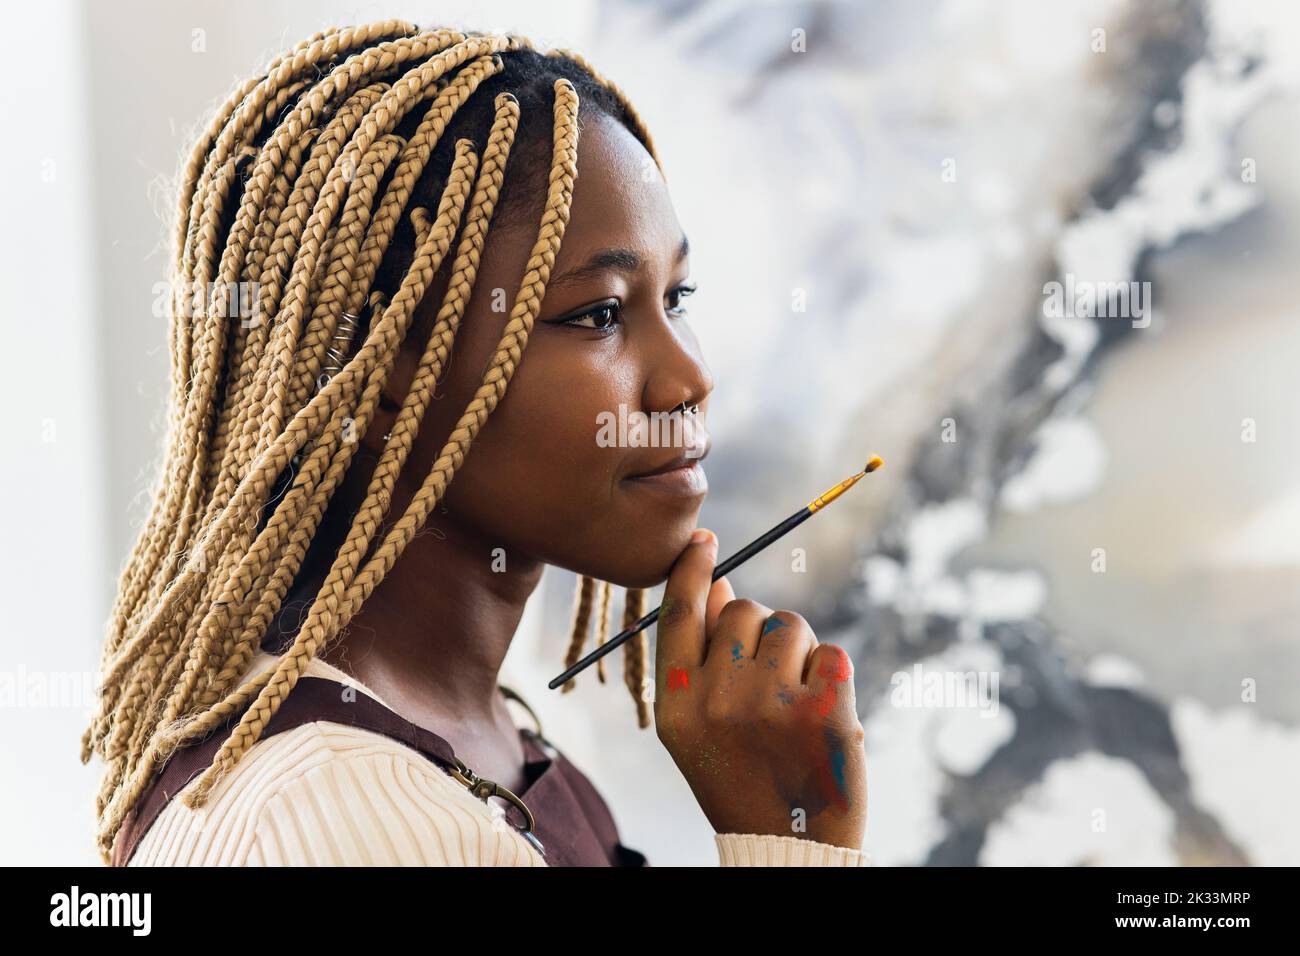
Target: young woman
370	237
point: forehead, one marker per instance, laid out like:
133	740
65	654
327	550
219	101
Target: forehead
620	199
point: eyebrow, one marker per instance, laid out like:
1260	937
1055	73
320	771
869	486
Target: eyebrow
620	260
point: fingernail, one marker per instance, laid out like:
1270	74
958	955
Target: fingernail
701	536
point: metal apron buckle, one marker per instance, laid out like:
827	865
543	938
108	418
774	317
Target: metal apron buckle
484	789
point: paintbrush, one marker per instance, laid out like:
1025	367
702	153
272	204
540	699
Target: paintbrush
733	562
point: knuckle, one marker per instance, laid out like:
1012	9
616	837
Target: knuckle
785	624
741	608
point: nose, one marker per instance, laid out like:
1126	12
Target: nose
676	375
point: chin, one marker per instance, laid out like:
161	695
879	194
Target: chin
646	564
647	580
632	549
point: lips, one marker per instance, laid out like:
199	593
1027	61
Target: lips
681	474
681	461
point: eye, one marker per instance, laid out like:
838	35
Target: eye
603	318
673	303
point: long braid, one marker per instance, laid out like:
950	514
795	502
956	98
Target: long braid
636	651
602	624
231	130
463	274
300	187
636	654
279	219
143	558
581	624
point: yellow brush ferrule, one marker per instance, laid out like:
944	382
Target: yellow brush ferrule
826	497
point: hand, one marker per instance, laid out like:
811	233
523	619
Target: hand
759	717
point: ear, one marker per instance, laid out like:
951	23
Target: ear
396	386
406	364
384	416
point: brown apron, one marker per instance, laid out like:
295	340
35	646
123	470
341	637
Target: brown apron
573	826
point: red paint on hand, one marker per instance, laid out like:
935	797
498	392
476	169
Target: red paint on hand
824	702
678	678
837	670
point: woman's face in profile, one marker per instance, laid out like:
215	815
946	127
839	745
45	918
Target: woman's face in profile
540	480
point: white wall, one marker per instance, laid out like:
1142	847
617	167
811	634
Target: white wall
55	562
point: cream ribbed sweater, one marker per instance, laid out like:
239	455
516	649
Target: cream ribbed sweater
327	794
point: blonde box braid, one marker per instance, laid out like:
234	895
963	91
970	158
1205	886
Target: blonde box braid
299	187
581	625
636	659
602	625
636	652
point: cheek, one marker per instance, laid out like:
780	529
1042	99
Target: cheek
536	464
536	478
550	416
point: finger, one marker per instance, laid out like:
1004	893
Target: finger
830	693
681	639
720	595
785	642
736	636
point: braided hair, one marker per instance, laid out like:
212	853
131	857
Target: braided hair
335	185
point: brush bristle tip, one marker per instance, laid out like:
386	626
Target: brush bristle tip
876	462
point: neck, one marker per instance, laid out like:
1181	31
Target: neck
431	637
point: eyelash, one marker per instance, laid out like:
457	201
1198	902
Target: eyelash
681	292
